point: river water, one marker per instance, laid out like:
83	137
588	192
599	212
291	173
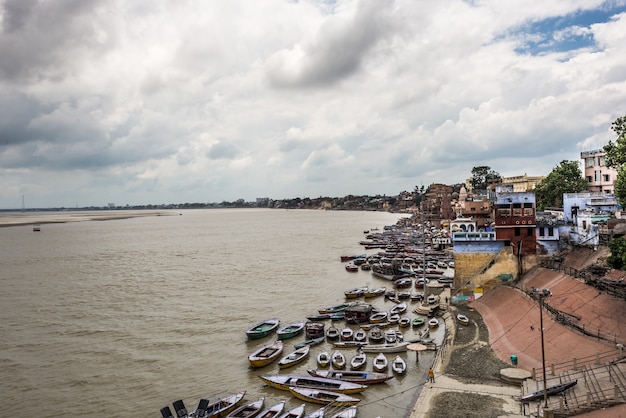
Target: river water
119	318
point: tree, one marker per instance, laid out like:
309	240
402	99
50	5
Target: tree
616	158
482	176
617	259
564	178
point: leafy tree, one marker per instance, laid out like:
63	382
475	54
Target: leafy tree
482	176
564	178
616	157
617	259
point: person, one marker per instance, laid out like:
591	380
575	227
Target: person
431	375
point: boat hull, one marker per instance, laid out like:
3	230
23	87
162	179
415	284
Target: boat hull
324	397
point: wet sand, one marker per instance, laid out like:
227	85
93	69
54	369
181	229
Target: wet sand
40	218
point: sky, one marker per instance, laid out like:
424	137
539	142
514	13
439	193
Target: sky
137	102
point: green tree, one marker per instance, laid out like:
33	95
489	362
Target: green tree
481	177
617	259
564	178
616	157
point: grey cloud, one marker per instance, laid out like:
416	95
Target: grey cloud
223	150
337	52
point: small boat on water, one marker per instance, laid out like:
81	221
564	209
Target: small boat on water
36	228
224	405
266	354
295	412
290	330
398	308
319	317
284	382
398	365
364	378
345	258
385	348
379	317
332	333
551	390
337	308
371	293
360	335
432	299
433	323
351	266
418	321
249	409
323	359
463	320
273	411
263	328
347	334
338	360
318	413
349	412
358	361
404	321
355	293
295	357
314	329
376	335
311	342
380	363
323	396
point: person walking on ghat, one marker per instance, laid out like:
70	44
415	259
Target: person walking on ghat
431	375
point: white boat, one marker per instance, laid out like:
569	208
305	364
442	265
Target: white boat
273	411
433	323
323	396
286	381
358	361
295	357
380	363
338	360
349	412
464	320
398	365
249	409
296	412
398	308
323	359
385	348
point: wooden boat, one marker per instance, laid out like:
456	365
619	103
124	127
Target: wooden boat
385	348
295	357
418	321
323	359
347	334
338	360
36	228
463	320
398	365
352	257
551	390
376	335
285	381
433	323
295	412
273	411
290	330
394	319
417	296
379	317
223	406
391	336
359	314
364	378
337	308
352	267
380	363
360	335
349	344
403	295
319	317
323	396
311	342
332	333
318	413
398	308
403	283
337	316
355	293
370	293
349	412
358	361
314	330
266	354
249	409
432	299
404	321
263	328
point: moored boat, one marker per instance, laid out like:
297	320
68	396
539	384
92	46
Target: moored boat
314	329
311	342
376	335
224	405
323	396
418	321
290	330
295	357
550	390
398	308
249	409
380	363
360	335
323	359
295	412
273	411
284	382
332	333
349	412
347	334
358	361
385	348
379	317
266	354
337	308
398	365
263	328
355	293
463	320
338	360
370	293
359	313
365	378
433	323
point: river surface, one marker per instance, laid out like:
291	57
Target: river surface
119	318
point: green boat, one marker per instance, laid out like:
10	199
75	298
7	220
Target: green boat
418	321
263	328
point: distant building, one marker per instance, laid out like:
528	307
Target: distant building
523	183
600	178
514	220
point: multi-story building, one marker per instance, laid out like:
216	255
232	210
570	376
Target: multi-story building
514	220
600	178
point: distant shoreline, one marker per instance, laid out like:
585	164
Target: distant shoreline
42	218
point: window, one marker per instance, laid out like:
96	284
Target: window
550	231
597	175
504	213
530	232
528	212
607	177
517	212
589	162
541	232
518	232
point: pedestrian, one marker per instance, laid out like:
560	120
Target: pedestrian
431	375
446	300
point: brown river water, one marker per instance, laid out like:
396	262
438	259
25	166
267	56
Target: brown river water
119	318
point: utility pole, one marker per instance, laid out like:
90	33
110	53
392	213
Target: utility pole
542	294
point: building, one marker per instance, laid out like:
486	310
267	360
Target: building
523	183
600	178
514	220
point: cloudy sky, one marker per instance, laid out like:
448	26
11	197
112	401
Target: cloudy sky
148	101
